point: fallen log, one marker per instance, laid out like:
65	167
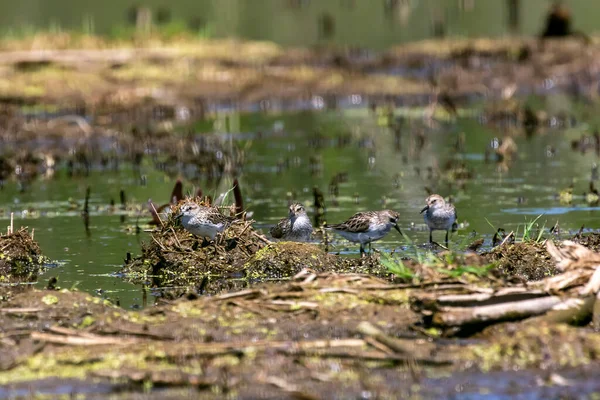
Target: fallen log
480	299
570	311
459	316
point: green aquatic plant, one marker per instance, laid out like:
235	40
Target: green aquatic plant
528	230
395	265
447	265
420	256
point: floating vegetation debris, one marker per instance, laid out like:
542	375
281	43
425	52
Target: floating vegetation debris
21	259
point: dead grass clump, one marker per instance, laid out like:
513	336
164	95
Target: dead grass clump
174	256
21	259
528	261
591	241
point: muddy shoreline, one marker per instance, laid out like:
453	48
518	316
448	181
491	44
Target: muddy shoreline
316	333
202	75
286	320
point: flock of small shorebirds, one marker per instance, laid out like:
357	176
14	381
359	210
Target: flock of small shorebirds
363	227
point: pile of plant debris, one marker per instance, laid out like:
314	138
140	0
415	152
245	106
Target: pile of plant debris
590	240
524	261
175	257
21	259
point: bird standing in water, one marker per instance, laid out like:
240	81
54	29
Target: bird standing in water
367	226
439	216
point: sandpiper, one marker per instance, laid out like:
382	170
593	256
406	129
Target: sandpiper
439	216
368	226
203	221
296	227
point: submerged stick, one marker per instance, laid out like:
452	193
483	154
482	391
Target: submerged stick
86	204
86	211
123	199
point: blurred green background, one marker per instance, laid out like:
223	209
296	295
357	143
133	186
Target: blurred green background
374	24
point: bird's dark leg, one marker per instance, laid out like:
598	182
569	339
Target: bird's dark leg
447	232
430	236
370	248
362	250
216	241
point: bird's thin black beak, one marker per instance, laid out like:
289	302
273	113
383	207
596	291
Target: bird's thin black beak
424	209
398	229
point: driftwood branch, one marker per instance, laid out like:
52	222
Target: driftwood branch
480	299
458	316
569	311
80	340
20	310
557	309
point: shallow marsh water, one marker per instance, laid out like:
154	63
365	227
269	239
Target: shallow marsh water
289	154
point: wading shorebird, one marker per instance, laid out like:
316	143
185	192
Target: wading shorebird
295	227
439	216
367	226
